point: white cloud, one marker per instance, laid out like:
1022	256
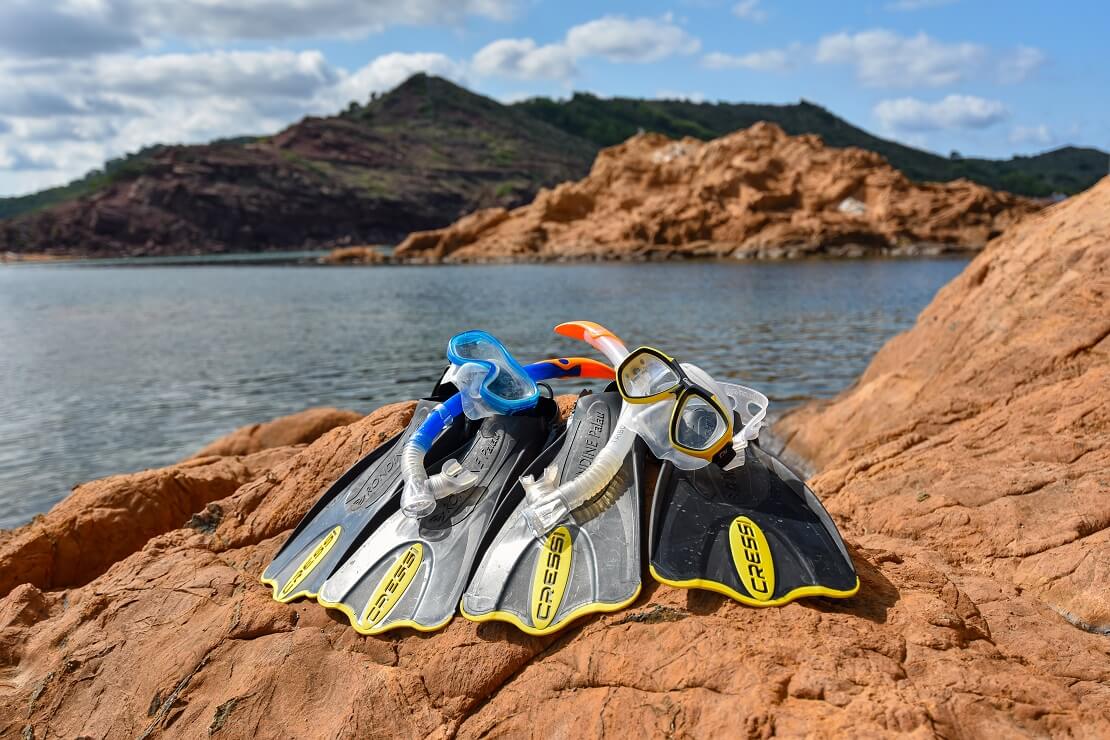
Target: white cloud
907	5
749	10
615	38
884	59
1040	135
81	28
770	60
277	73
523	59
1018	65
621	39
951	112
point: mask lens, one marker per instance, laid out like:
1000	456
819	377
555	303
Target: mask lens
506	379
699	425
646	375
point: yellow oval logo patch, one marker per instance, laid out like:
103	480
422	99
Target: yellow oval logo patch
549	584
752	557
310	562
396	580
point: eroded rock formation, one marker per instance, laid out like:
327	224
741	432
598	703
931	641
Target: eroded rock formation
984	432
754	193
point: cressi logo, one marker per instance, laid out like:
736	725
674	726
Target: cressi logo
550	581
393	585
752	557
310	562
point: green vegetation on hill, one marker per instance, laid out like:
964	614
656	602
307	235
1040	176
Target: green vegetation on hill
608	121
114	170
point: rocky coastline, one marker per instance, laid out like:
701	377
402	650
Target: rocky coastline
754	194
966	469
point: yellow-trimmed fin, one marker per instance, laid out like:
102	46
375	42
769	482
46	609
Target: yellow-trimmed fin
596	607
798	593
286	593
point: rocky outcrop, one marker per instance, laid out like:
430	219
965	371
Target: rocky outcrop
926	649
983	433
754	193
104	521
300	428
355	256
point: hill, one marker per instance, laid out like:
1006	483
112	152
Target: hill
609	121
427	152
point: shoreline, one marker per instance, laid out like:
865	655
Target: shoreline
320	259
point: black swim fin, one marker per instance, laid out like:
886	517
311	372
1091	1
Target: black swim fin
754	532
348	511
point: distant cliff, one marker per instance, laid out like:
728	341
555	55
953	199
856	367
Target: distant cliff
755	193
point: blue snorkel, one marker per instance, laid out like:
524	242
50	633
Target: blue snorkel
490	382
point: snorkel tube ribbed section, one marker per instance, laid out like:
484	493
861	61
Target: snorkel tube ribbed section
549	503
421	491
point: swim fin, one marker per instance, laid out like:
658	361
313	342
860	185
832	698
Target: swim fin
411	572
754	532
347	511
590	562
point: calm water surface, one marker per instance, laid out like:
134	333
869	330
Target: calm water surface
112	369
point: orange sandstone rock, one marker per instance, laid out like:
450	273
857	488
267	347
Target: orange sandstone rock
180	640
984	432
754	193
104	521
295	429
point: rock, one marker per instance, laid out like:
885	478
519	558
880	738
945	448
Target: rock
754	193
179	638
983	434
355	256
296	429
967	471
104	521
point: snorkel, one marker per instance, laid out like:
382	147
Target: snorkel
663	420
491	382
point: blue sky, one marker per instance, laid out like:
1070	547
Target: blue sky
84	80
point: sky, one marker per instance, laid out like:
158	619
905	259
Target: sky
85	80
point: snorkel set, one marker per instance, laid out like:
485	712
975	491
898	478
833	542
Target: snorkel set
489	503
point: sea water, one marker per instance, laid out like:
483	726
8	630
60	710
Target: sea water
111	369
